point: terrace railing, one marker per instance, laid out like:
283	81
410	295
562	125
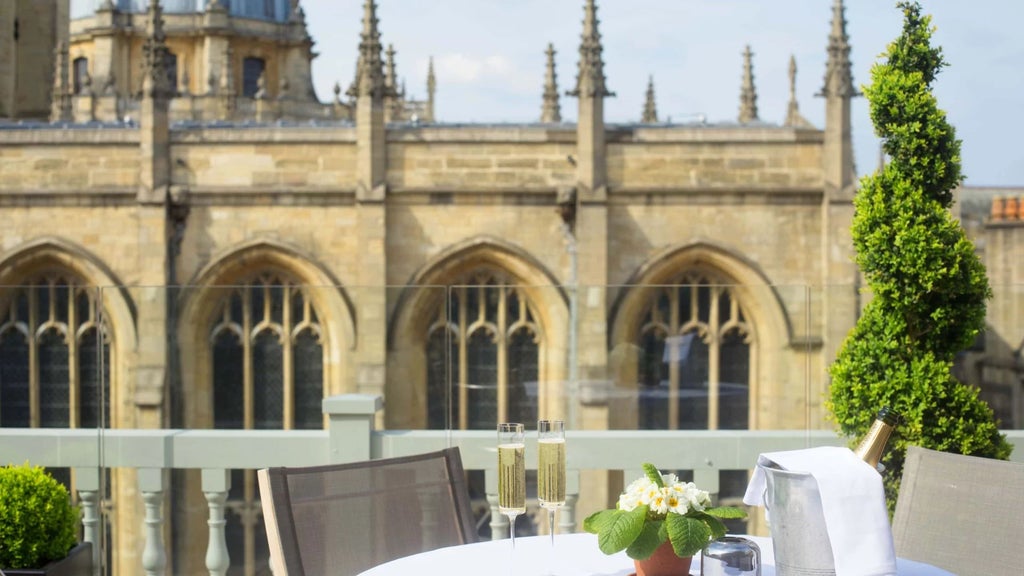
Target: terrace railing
352	436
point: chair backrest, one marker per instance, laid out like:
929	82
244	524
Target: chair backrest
961	513
345	518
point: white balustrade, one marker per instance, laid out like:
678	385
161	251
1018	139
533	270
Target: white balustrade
151	484
216	484
352	437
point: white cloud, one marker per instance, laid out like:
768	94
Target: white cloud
458	68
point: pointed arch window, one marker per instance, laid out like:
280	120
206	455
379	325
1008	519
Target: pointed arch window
54	356
267	356
694	367
55	366
483	351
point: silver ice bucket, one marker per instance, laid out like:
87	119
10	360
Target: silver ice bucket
797	523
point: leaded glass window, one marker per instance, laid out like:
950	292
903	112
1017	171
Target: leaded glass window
55	366
54	356
267	356
482	356
694	361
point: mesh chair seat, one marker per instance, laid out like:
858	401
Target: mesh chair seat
961	513
345	518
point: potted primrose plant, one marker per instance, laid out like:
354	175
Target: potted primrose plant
661	523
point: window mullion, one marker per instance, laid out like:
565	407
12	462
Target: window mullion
288	381
74	377
33	359
247	376
674	324
501	341
463	358
714	359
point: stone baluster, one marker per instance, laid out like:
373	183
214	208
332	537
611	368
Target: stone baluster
499	522
151	484
87	481
567	514
216	483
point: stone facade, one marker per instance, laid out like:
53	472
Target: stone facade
371	225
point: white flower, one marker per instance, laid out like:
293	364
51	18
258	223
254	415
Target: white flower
659	501
675	496
698	499
676	502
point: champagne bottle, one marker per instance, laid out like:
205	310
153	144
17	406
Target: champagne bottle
871	447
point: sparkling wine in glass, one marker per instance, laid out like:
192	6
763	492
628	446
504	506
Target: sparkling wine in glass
551	468
511	474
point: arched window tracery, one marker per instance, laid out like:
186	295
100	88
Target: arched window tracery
267	359
483	351
694	363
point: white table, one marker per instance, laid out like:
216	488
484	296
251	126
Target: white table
575	555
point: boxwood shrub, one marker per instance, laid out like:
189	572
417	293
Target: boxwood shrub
37	521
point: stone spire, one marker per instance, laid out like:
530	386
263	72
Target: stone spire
372	96
650	115
793	116
748	93
392	100
390	78
370	79
431	91
551	110
155	83
838	77
60	102
838	164
590	80
590	91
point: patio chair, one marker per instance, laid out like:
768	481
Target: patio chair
960	513
345	518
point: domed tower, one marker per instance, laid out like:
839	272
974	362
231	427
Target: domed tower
228	59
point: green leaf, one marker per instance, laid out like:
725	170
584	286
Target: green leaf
620	529
648	541
726	512
597	521
654	475
688	535
715	525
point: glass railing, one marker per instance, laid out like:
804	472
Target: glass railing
160	402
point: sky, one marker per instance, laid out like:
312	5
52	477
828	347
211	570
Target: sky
489	61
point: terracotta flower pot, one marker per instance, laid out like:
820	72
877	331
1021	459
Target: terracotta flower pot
663	562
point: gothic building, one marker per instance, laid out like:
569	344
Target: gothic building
177	253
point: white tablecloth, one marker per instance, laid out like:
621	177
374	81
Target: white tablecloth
574	555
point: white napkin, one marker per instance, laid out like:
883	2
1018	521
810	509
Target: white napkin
853	502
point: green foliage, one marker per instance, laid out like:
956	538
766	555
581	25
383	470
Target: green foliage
929	287
37	520
654	475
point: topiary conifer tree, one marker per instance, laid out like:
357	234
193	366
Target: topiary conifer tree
928	285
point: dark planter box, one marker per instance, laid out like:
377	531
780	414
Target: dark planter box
78	562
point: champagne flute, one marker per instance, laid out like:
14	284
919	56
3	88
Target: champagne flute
551	468
511	474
